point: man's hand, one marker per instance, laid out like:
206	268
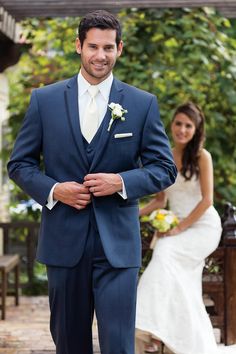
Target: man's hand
102	184
72	193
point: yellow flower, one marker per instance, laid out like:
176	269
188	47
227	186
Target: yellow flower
160	217
163	220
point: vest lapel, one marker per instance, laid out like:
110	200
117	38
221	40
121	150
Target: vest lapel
71	99
116	96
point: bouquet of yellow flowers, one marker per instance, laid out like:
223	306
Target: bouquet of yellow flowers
162	220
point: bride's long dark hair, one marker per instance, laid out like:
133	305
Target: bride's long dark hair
190	165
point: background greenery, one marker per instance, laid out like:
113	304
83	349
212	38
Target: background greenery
177	54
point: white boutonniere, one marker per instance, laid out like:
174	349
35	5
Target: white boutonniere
117	112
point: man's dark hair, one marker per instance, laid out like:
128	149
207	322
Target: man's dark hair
99	19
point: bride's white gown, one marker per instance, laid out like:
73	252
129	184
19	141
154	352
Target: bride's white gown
169	301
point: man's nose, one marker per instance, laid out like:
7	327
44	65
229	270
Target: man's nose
100	54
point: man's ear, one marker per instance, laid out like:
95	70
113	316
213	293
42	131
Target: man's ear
78	46
119	48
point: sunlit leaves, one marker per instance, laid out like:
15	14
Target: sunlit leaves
190	55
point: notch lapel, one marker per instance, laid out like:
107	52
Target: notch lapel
116	96
71	99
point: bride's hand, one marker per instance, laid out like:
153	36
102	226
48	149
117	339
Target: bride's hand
173	232
159	234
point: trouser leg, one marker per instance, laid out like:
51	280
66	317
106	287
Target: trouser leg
71	305
72	293
115	300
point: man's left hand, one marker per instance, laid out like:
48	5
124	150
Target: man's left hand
102	184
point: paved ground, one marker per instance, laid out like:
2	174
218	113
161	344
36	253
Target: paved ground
26	331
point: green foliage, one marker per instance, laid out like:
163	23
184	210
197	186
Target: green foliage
147	231
185	54
177	54
51	58
39	283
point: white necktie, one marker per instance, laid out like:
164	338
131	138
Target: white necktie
91	118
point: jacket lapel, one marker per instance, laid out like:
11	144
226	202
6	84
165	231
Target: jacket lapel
71	99
116	96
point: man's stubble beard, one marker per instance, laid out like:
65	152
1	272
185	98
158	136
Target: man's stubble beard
93	73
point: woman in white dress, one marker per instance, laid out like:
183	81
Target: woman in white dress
170	307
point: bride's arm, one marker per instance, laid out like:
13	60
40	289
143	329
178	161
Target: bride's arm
159	201
206	183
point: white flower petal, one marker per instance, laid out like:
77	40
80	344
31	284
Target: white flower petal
117	112
111	105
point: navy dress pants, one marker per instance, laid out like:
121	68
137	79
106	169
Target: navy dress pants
93	284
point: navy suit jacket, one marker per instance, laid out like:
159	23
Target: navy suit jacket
51	131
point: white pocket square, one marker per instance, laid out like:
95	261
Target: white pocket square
122	135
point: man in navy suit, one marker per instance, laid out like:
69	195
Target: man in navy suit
89	189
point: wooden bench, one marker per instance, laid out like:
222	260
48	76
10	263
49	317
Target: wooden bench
221	288
9	263
213	285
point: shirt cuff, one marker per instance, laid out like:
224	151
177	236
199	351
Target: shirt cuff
123	194
50	201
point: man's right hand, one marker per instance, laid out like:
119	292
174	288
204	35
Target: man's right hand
73	194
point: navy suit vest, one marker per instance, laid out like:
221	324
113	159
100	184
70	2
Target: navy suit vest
90	149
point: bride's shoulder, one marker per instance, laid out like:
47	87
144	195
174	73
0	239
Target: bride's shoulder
204	158
204	155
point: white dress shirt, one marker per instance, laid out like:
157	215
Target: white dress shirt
102	99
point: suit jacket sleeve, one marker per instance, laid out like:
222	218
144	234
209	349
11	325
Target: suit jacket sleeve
157	169
24	165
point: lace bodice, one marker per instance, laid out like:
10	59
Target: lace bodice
183	195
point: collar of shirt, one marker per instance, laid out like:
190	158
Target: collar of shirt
102	97
104	86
